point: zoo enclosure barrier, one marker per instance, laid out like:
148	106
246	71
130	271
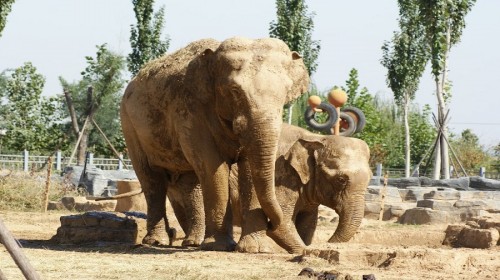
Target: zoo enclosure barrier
27	162
378	170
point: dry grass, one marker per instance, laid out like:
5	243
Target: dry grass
22	191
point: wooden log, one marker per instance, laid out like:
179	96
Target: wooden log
16	253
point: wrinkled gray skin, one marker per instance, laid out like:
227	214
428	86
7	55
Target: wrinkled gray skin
202	108
311	169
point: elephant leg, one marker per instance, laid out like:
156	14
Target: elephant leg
254	221
306	223
193	209
155	192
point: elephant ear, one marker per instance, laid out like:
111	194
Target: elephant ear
301	157
199	73
299	75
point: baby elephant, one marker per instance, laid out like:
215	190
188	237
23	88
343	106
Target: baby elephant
311	169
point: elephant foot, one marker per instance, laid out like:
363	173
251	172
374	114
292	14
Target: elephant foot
288	238
218	243
155	240
255	243
192	241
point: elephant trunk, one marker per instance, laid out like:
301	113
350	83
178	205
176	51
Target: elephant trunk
262	156
350	217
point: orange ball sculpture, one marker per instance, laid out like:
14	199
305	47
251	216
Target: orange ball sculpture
337	97
314	101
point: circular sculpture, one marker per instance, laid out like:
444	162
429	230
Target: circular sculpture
313	123
347	124
358	116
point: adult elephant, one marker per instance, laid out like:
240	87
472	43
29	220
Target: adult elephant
202	108
311	169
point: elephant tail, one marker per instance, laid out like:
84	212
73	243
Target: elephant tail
122	195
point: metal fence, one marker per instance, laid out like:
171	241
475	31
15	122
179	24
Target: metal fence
400	172
26	162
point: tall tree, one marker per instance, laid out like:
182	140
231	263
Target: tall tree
443	21
145	37
405	58
31	121
294	25
95	98
5	7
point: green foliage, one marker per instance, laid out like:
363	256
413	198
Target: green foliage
295	26
5	7
470	153
104	74
496	158
31	121
145	37
442	18
406	55
422	132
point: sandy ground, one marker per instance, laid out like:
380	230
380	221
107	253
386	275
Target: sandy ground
385	249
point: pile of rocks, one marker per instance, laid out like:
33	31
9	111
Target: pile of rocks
95	227
430	205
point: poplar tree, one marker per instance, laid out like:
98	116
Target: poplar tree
443	22
294	25
145	36
405	57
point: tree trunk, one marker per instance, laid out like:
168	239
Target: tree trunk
407	135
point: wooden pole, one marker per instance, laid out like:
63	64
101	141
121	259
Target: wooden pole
16	253
336	127
47	185
383	192
78	141
110	145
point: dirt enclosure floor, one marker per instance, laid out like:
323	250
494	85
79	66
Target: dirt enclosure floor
385	249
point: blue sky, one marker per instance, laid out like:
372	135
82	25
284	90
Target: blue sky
56	35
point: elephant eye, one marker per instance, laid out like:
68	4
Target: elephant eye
342	181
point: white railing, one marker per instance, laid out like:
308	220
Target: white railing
27	162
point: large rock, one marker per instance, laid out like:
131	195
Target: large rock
94	227
403	183
95	181
443	194
478	238
480	183
373	193
435	204
420	216
462	183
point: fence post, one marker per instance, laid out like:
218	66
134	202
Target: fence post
91	159
416	173
482	172
26	156
120	160
378	172
58	160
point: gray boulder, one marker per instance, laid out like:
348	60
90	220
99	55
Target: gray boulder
435	204
414	194
443	194
420	216
480	183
